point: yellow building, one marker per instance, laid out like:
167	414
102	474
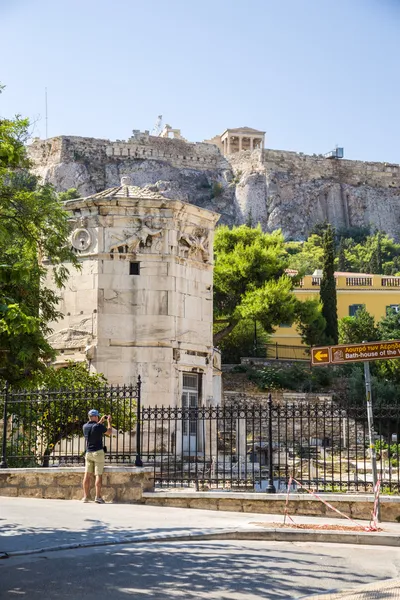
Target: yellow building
376	293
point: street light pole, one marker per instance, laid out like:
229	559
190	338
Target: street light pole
367	375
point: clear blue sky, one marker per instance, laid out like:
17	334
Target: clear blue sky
311	73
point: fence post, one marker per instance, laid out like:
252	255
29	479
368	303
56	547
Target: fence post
138	461
271	488
3	463
276	351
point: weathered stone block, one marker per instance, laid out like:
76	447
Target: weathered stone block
69	479
203	503
30	492
306	507
173	502
258	506
119	478
389	512
8	491
129	494
57	493
10	479
109	494
77	494
230	504
46	479
358	510
28	480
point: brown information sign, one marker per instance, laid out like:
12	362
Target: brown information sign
339	355
364	352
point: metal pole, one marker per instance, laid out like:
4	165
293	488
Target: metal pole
138	461
271	488
372	450
3	463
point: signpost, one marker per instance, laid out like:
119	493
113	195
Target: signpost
364	352
339	355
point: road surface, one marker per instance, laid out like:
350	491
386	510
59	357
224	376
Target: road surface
209	570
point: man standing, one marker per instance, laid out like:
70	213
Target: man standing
94	458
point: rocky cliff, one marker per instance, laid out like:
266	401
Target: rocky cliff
278	189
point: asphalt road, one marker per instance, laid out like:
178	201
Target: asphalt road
217	570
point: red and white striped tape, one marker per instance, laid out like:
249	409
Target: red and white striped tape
373	526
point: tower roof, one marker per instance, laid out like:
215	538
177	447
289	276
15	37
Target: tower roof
126	191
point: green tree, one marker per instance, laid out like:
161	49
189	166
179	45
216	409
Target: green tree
250	281
241	342
375	264
306	256
342	261
33	235
55	408
71	194
310	322
328	287
389	326
357	329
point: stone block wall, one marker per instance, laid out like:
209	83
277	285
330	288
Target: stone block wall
120	484
356	507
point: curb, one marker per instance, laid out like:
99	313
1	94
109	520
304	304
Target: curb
275	535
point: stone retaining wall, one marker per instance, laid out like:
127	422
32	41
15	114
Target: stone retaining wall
120	484
355	506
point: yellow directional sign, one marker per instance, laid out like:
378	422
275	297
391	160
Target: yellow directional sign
320	356
338	355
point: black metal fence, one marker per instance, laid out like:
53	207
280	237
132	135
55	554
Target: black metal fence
287	352
258	447
44	428
319	442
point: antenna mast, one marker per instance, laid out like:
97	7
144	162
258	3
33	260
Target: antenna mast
45	102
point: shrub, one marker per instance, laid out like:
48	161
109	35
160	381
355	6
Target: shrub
218	189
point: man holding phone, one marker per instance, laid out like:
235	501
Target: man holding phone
93	431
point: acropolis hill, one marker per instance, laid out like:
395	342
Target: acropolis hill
232	174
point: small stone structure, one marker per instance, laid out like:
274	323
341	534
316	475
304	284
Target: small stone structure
142	302
242	138
120	484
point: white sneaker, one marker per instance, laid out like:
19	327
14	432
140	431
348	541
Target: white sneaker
85	500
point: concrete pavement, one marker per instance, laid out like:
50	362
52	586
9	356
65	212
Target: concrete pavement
383	590
187	559
33	524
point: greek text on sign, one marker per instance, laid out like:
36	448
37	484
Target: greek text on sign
364	352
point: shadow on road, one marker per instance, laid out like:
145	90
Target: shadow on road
166	571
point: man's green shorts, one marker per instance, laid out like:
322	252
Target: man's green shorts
94	462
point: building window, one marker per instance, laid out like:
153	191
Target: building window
134	268
353	308
392	308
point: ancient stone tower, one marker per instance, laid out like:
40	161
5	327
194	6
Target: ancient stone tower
142	302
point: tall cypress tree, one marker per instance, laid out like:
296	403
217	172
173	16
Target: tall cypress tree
375	264
328	287
342	262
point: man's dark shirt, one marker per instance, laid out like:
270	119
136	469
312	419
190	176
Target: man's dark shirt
96	431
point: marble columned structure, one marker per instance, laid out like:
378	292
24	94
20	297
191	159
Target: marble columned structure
142	301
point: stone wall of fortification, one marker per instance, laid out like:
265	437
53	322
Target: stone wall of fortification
278	189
